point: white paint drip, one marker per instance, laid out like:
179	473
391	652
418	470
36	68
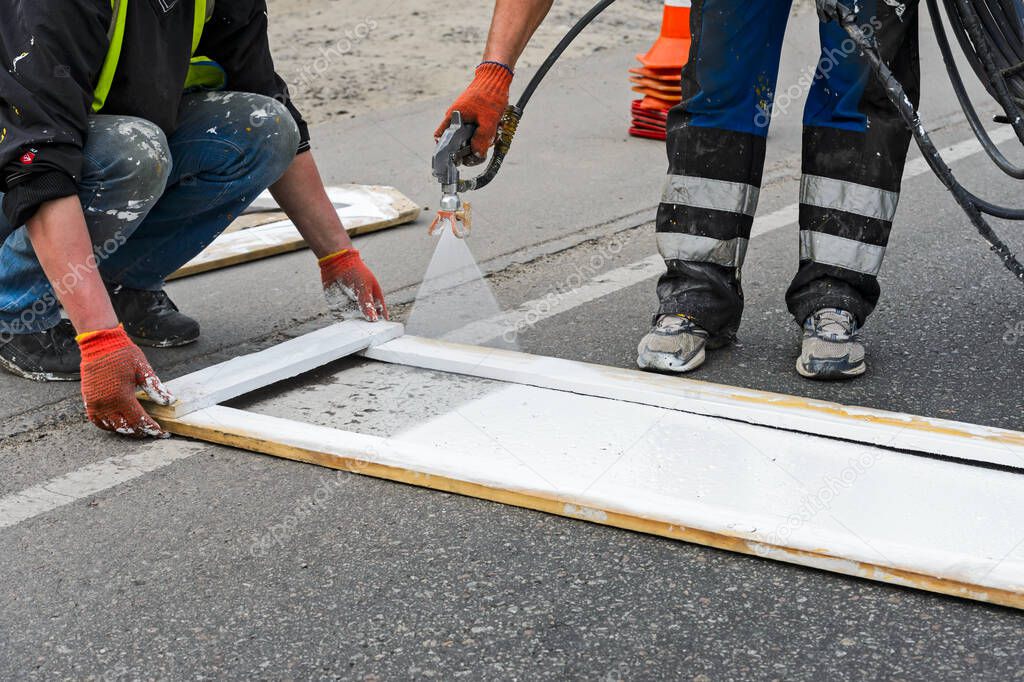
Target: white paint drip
126	216
155	145
23	55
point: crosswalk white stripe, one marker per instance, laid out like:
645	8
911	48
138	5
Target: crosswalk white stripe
91	479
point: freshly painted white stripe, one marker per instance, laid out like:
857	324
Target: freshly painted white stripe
776	488
91	479
816	417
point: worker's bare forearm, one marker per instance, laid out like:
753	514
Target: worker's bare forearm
512	26
300	192
60	239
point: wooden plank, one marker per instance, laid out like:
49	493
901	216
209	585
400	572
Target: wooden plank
945	438
244	246
704	505
247	373
362	208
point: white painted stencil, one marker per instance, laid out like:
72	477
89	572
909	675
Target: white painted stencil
805	492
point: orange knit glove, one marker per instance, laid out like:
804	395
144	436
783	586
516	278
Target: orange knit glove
113	368
348	281
482	103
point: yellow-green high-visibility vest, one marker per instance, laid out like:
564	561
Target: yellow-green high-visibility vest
203	72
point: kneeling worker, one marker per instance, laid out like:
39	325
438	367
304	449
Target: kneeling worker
123	154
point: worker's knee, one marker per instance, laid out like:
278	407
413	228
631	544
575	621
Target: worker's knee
256	135
272	117
124	151
273	124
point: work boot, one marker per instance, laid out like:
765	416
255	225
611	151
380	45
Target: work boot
830	346
675	344
151	319
51	355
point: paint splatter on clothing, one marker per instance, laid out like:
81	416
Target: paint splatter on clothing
54	51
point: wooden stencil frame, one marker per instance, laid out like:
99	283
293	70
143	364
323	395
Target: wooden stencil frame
254	236
198	414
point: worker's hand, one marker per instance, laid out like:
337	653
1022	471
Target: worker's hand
113	369
832	10
347	282
482	103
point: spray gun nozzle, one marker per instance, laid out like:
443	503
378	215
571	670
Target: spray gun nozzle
454	215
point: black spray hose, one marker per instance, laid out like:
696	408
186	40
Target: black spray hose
972	205
996	57
510	118
965	103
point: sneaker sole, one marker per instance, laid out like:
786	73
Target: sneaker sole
42	377
826	372
668	363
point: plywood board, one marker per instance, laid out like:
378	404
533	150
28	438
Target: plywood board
362	209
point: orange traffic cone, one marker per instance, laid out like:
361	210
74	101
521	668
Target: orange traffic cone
672	47
659	80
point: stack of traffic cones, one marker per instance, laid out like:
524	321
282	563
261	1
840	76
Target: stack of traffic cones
658	79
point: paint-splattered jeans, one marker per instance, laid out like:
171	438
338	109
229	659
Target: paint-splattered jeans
151	202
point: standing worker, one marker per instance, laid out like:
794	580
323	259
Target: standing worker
133	133
854	148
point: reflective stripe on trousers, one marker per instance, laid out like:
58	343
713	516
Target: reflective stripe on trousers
717	195
699	249
850	197
850	254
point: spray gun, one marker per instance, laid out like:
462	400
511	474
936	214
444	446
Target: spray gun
453	149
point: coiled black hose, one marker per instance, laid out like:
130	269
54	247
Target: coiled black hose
991	33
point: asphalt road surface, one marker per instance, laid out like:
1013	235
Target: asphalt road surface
176	560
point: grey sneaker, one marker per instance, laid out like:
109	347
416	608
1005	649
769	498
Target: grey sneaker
675	344
830	346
